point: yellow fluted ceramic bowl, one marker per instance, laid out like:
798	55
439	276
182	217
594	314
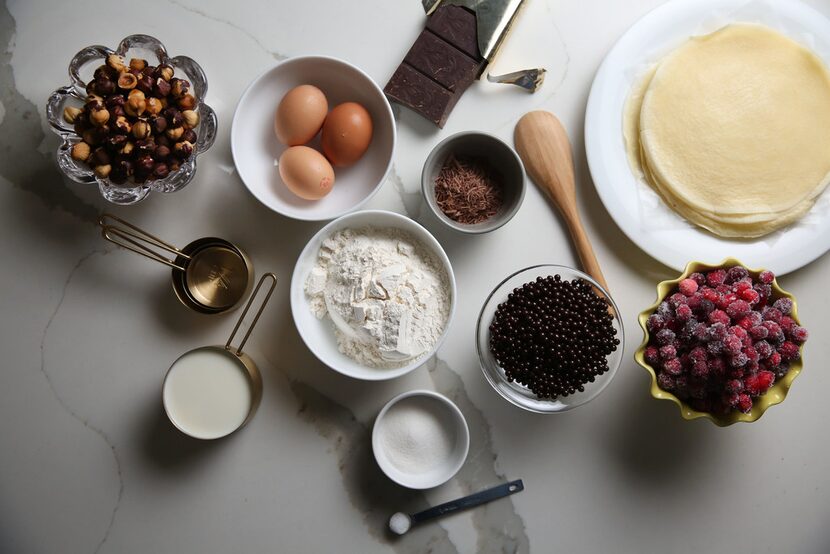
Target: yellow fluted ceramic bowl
775	395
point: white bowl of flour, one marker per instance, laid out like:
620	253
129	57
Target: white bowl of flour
373	294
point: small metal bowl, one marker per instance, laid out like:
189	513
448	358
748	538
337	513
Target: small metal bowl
775	395
81	68
503	159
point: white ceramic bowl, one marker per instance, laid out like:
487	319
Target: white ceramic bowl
256	149
318	334
442	472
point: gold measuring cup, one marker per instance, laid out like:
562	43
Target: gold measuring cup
210	275
212	391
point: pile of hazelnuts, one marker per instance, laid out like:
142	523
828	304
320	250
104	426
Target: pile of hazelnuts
137	123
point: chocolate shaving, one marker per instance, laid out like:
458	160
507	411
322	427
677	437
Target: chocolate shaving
468	190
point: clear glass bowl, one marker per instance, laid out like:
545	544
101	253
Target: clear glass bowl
514	392
81	69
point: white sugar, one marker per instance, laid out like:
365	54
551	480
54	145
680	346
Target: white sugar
417	434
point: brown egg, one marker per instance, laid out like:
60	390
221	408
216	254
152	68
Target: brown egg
306	172
347	133
300	115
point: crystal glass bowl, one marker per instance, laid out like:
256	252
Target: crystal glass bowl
81	68
775	395
514	392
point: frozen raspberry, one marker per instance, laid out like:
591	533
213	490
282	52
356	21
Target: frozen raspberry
719	316
750	295
673	367
717	367
687	287
677	299
665	382
752	354
738	360
759	383
766	277
772	314
764	349
717	331
774	359
655	323
700	370
714	347
784	305
711	295
734	386
684	312
787	323
665	336
799	334
744	403
668	352
776	335
716	277
698	278
759	332
738	309
732	345
789	351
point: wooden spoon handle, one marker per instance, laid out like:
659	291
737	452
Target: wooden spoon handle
584	249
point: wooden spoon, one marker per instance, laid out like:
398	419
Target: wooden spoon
543	145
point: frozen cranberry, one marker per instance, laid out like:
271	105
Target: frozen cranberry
673	367
784	305
799	334
677	299
668	352
789	351
751	354
775	359
714	348
716	277
666	382
700	332
666	336
787	323
776	335
732	344
684	312
711	295
726	300
698	278
652	355
687	287
738	309
750	295
764	349
718	331
738	331
734	386
735	274
738	360
700	370
655	323
664	310
759	332
744	403
719	316
759	383
717	367
772	314
766	277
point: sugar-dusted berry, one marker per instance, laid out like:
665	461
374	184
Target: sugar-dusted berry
719	316
784	305
668	352
687	287
789	351
716	277
736	273
744	403
673	367
666	382
766	277
799	334
655	322
665	336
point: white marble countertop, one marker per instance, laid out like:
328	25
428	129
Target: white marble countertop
88	462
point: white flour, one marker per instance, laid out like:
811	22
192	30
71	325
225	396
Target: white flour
386	295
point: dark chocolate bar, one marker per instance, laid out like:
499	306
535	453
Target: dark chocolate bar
440	65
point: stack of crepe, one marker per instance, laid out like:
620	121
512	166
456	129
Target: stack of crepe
732	129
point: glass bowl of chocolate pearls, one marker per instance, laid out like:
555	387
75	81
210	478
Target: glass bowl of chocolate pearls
549	339
132	120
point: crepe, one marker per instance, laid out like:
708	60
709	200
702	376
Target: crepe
732	129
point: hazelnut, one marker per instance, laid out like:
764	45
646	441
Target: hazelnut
138	63
93	100
179	87
174	116
124	166
174	133
150	71
135	106
189	135
187	102
163	141
153	106
70	114
127	148
141	129
174	165
145	146
161	152
99	116
183	149
114	100
127	81
92	136
161	88
103	171
159	124
122	124
164	102
99	157
104	87
136	72
116	62
165	72
81	152
191	118
117	111
145	84
160	170
144	164
115	142
105	72
136	94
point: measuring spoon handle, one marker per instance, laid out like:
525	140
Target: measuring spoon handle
470	501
